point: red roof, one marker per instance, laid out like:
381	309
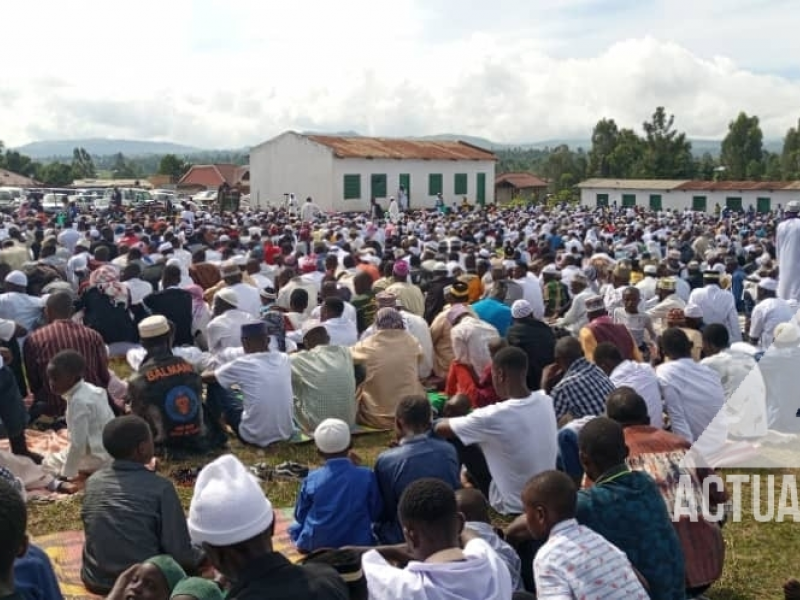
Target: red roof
520	181
739	186
12	179
213	176
365	147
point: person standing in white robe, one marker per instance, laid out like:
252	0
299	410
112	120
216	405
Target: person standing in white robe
717	305
787	250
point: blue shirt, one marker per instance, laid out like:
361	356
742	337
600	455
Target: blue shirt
34	577
336	507
495	313
396	468
737	288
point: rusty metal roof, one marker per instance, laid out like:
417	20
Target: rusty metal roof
520	180
739	186
366	147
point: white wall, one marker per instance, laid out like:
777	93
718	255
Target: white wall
682	199
290	163
419	171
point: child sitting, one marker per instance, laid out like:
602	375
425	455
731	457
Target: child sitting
154	579
34	578
475	508
338	502
88	412
129	513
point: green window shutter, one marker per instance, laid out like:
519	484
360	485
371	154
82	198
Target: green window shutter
434	184
733	203
460	184
378	186
602	200
628	199
352	187
699	203
405	183
480	191
655	202
763	205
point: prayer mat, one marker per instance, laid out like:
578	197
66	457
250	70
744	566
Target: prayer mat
35	479
64	550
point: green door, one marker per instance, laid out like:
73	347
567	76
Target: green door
405	183
480	191
763	205
655	201
733	203
699	203
628	200
602	200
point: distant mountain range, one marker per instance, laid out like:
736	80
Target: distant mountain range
131	148
103	147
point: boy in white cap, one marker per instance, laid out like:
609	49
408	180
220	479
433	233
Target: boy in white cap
233	521
339	502
15	303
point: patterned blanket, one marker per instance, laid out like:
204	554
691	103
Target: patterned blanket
65	548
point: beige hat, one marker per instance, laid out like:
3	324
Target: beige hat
154	326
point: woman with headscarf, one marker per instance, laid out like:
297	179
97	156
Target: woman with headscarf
106	307
390	357
200	315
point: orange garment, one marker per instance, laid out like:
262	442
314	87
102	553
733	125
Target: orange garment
461	380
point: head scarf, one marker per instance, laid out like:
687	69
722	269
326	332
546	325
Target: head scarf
106	280
389	318
276	327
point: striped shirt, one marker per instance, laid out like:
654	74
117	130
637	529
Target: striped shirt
576	562
43	344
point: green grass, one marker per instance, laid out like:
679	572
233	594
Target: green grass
759	556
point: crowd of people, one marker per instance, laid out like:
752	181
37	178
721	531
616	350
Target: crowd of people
556	365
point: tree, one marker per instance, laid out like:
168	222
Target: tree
173	166
564	168
667	153
122	168
743	149
790	157
772	166
82	165
704	167
604	142
55	173
18	163
626	159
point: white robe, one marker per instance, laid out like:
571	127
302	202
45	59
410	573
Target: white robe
787	249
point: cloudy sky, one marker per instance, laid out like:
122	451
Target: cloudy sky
216	73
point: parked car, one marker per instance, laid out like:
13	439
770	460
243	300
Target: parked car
53	203
205	198
10	197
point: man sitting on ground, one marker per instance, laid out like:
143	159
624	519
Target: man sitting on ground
438	556
418	454
575	562
234	522
627	509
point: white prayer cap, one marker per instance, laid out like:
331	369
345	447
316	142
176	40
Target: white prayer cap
693	311
228	506
165	247
332	436
17	278
521	309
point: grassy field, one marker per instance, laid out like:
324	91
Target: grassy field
759	556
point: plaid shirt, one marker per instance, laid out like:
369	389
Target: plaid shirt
582	391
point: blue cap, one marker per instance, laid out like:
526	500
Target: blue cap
251	330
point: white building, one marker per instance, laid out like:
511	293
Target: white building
680	194
344	173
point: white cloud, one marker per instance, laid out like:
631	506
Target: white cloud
215	73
